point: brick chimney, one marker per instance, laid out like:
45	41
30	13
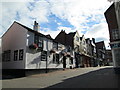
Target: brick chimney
36	26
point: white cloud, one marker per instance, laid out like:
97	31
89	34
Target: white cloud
100	32
9	10
16	0
47	31
77	12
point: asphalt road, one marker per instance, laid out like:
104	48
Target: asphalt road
97	77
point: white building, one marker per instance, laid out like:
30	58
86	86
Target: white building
27	49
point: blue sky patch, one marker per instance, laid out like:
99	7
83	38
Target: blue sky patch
53	23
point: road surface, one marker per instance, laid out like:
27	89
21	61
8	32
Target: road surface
92	77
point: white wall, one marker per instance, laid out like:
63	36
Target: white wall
14	39
33	57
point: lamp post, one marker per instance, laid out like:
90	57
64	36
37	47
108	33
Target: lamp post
46	64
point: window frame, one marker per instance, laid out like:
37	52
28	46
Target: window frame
38	40
77	38
43	55
21	51
15	55
115	34
6	56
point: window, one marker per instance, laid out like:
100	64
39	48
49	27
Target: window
21	54
43	55
38	40
6	56
71	60
115	34
56	58
3	57
15	55
83	42
40	43
77	38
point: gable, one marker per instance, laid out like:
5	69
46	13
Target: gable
12	26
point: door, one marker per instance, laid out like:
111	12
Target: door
64	61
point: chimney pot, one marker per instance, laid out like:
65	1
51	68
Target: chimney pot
36	26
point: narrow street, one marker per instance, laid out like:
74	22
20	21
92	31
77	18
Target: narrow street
97	77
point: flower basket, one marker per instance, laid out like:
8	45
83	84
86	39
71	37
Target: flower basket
52	51
33	46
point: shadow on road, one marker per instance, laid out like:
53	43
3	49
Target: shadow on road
102	78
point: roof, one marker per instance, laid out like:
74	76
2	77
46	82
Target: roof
49	36
72	34
112	6
100	44
31	30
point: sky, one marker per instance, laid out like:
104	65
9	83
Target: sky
85	16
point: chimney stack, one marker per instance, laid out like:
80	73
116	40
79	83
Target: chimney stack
36	26
93	39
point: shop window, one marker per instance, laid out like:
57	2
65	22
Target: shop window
56	58
71	60
15	55
21	52
43	55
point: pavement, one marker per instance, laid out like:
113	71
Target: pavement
92	77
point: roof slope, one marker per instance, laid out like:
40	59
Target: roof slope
29	29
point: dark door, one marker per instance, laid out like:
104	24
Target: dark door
64	61
76	62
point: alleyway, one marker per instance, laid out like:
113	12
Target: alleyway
98	77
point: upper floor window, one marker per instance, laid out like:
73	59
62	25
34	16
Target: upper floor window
115	34
77	38
83	42
38	40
